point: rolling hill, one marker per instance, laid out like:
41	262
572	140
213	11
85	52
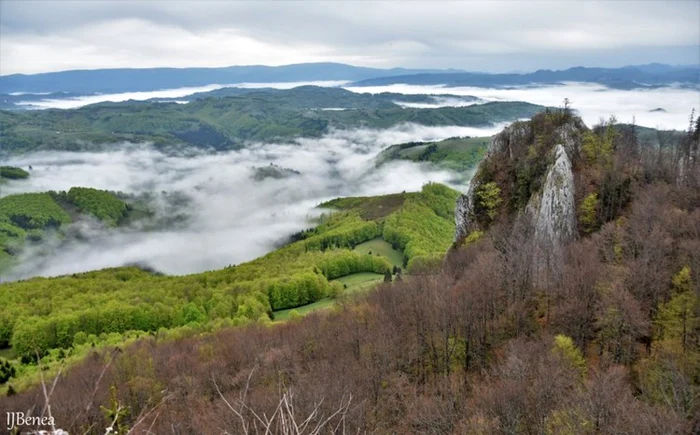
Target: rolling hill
619	78
230	122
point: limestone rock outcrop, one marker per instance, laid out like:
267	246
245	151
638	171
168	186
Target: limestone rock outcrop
551	209
553	214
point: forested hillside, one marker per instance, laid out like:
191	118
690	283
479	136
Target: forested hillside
230	122
630	77
27	217
459	154
149	79
605	342
60	318
13	173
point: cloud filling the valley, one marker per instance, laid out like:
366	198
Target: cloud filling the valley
592	101
84	100
232	217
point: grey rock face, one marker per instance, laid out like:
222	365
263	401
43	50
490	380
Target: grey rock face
570	139
553	214
554	210
505	141
500	146
464	214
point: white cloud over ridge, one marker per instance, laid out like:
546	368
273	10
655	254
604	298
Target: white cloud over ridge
592	101
75	102
233	218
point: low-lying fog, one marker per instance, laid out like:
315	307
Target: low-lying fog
232	217
75	102
592	101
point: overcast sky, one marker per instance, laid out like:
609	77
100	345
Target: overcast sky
477	36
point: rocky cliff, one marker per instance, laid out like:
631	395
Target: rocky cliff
552	212
529	165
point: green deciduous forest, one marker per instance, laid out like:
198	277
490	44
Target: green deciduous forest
229	122
41	315
26	217
458	154
99	203
12	172
473	338
419	224
32	211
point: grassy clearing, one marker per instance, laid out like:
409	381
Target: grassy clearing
383	248
359	281
284	315
355	282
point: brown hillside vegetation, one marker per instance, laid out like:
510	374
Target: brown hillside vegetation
609	344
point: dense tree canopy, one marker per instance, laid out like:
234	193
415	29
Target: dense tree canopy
608	343
99	203
32	211
228	122
42	314
13	172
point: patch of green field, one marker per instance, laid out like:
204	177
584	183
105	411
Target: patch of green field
355	282
381	247
284	315
359	281
421	223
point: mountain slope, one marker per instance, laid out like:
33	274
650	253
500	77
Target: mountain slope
229	122
149	79
608	343
68	314
620	78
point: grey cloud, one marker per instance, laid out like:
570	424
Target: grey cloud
473	35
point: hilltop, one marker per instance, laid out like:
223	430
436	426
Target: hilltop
28	218
459	154
630	77
149	79
86	82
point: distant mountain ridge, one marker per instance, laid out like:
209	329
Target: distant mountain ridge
150	79
629	77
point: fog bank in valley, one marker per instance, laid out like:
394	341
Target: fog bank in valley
75	102
232	217
592	101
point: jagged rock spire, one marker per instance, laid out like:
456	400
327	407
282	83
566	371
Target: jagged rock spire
551	208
